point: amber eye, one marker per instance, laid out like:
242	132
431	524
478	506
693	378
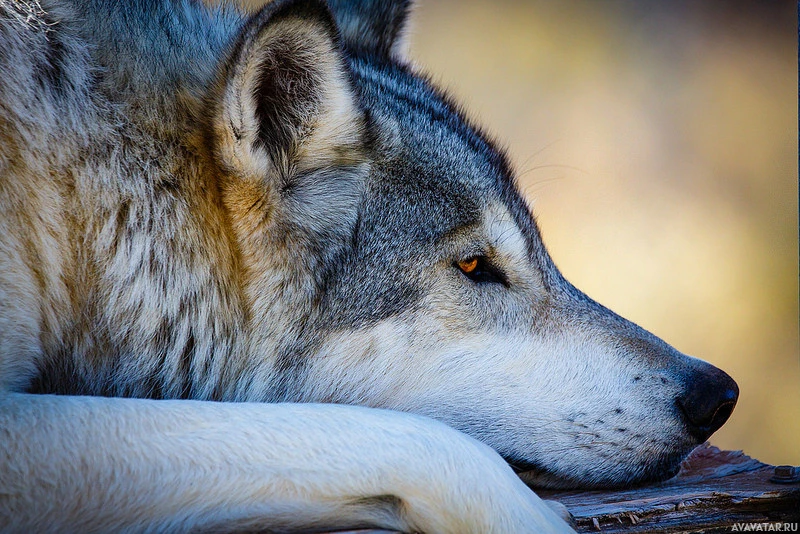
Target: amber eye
469	265
480	270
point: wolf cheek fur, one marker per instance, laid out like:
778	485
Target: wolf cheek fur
201	205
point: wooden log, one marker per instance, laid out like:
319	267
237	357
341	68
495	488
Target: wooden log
713	491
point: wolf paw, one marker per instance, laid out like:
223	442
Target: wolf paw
562	512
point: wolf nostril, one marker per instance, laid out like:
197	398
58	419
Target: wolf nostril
708	402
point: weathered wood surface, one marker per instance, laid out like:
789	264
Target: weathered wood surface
713	491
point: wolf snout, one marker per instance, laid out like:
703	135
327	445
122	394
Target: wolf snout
707	401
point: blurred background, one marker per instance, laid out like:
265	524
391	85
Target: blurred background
658	144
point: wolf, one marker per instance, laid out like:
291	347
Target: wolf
258	273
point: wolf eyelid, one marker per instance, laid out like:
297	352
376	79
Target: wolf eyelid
480	270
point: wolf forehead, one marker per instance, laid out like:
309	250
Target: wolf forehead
436	183
431	163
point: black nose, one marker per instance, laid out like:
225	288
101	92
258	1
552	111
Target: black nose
708	401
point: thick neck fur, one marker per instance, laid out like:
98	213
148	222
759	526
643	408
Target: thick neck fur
161	49
146	259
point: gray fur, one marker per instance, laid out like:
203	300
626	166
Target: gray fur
372	27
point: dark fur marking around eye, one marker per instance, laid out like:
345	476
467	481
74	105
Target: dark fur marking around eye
480	270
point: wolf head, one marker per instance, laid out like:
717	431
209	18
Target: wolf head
391	262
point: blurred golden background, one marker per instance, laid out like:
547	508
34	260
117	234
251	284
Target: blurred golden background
658	141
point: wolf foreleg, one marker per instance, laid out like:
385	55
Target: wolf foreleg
84	464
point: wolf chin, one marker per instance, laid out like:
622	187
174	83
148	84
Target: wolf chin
278	212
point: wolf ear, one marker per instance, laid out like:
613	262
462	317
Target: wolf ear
373	26
288	130
286	104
